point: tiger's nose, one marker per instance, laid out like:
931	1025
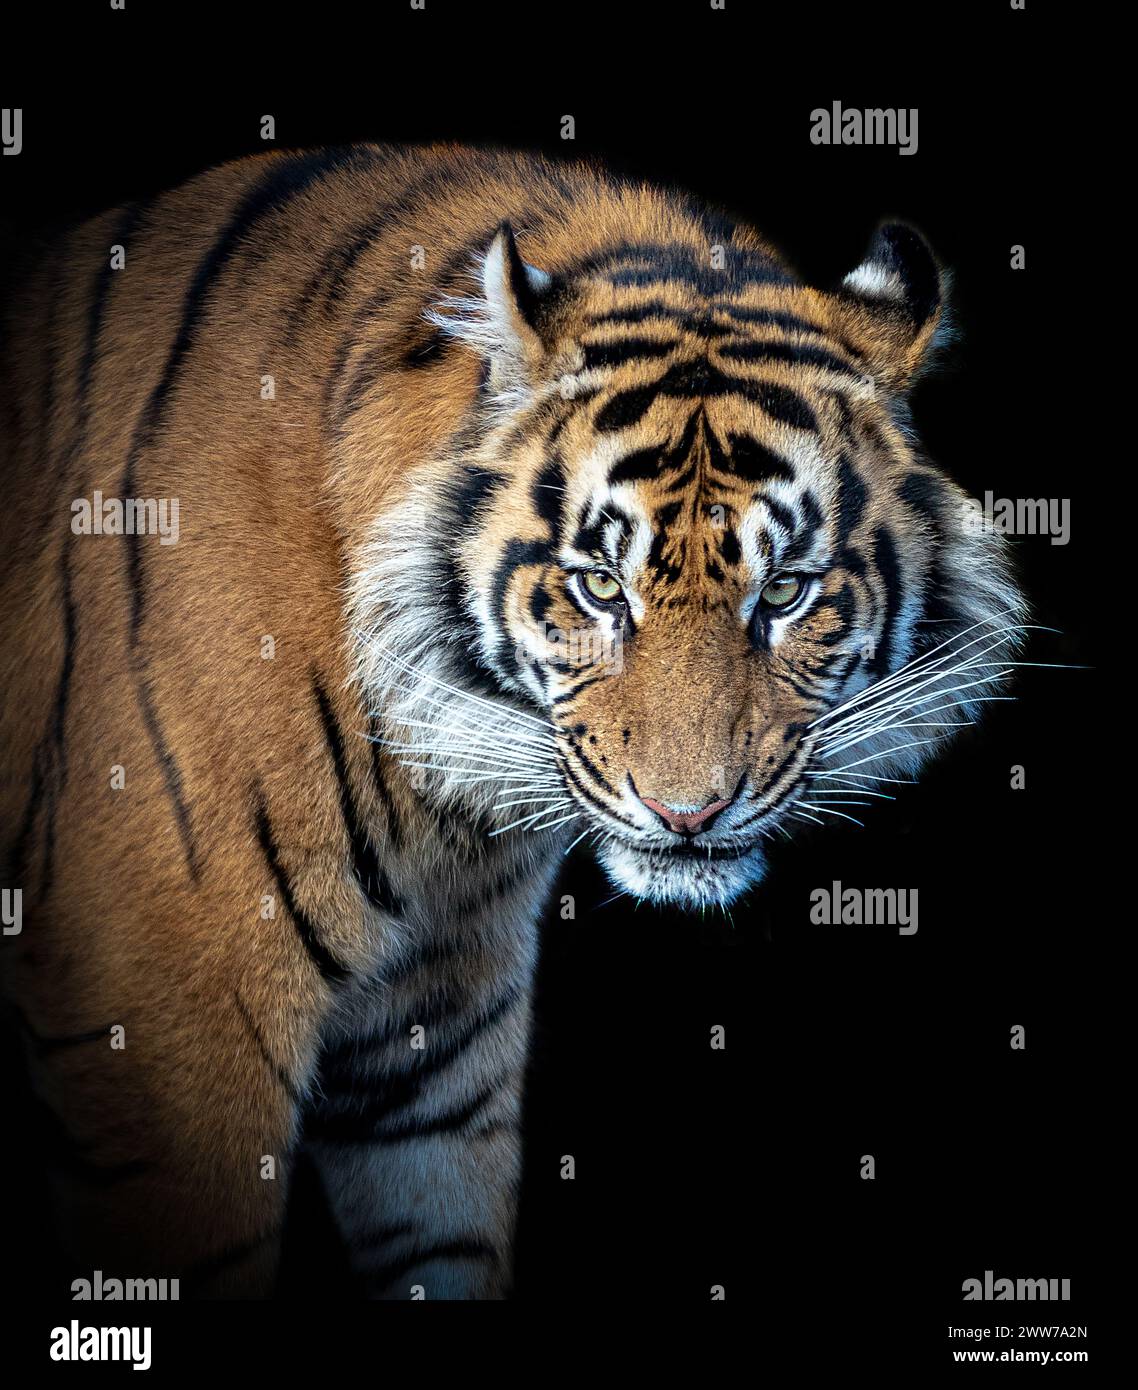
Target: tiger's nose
686	822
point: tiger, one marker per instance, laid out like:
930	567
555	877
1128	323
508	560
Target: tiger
520	506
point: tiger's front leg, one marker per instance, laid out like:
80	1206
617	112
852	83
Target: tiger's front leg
416	1134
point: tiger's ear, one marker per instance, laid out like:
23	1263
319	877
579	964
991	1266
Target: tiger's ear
892	307
509	324
517	300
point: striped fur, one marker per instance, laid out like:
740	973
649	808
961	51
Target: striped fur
459	436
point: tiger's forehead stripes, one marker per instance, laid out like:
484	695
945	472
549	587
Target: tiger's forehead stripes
641	265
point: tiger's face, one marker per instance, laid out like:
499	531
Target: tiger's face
706	600
706	581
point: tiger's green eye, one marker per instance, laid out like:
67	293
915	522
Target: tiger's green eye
781	592
602	586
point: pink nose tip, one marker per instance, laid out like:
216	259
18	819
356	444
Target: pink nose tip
685	822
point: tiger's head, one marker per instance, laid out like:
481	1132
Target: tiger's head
690	581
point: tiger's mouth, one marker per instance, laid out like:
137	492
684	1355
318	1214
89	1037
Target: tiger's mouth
689	849
685	875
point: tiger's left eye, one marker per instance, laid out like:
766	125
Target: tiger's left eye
782	592
602	586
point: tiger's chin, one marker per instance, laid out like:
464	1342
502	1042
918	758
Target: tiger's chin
690	879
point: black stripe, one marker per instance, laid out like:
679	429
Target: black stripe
331	275
671	259
845	606
640	466
516	555
699	325
747	458
428	1061
369	367
759	792
48	1045
483	898
427	349
446	1123
376	303
800	354
889	568
657	264
439	1004
263	1048
167	764
392	821
465	1248
122	234
59	716
432	953
330	968
852	497
781	403
586	795
625	408
490	1129
49	763
700	379
808	526
681	481
572	694
339	263
616	354
798	684
472	487
780	513
775	318
370	876
924	494
461	657
592	769
45	1044
70	637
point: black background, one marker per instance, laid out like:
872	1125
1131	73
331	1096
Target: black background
741	1167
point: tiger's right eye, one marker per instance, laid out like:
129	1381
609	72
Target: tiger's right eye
782	592
599	584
